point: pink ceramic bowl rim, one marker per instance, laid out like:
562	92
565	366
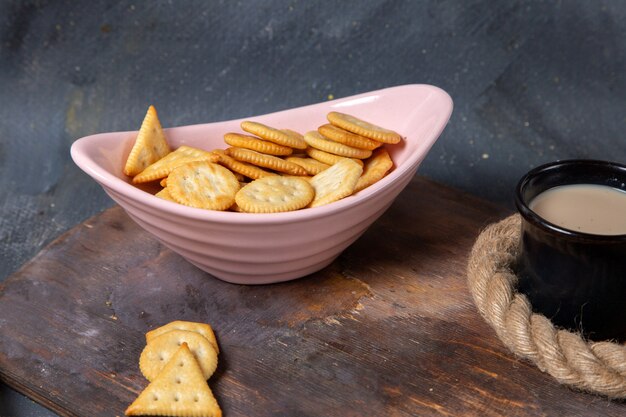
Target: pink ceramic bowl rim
81	148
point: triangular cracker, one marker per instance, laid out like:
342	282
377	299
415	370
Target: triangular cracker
150	145
179	390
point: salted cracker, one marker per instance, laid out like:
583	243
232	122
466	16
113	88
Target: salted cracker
150	145
242	168
347	138
204	185
316	140
179	390
376	167
310	165
282	137
363	128
265	161
336	182
256	144
203	329
164	166
275	194
161	348
327	158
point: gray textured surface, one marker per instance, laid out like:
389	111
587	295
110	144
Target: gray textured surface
532	82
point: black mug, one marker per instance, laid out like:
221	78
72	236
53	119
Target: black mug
576	279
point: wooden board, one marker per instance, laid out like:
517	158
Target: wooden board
389	329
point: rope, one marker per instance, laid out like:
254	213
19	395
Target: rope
596	367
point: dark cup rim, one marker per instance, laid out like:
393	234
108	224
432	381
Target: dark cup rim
542	223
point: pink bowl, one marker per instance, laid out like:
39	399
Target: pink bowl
265	248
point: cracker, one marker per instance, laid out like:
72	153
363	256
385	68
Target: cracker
327	158
363	128
336	182
163	167
179	390
282	137
150	145
347	138
160	350
204	185
376	167
242	168
266	161
163	182
201	328
165	195
310	165
275	194
315	140
256	144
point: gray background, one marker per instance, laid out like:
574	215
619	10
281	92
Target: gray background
532	82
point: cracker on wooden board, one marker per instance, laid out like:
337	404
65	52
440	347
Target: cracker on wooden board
274	195
159	351
204	329
180	390
203	184
150	145
336	182
361	127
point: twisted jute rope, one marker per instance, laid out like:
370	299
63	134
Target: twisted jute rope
596	367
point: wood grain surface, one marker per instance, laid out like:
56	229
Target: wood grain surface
388	329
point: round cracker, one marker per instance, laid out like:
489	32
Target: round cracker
310	165
275	194
327	158
204	329
282	137
266	161
253	143
347	138
336	182
160	350
363	128
315	140
204	185
242	168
